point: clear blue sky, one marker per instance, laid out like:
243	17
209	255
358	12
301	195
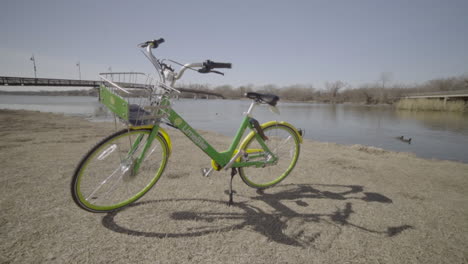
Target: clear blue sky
268	42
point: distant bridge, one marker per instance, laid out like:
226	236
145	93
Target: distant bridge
24	81
445	95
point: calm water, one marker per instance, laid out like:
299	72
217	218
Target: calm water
434	135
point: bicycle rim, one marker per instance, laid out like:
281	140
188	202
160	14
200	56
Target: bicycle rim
105	179
284	143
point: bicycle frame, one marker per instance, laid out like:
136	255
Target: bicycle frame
226	159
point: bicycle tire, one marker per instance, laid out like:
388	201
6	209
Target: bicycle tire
268	176
107	171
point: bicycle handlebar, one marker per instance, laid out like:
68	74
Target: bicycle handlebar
205	67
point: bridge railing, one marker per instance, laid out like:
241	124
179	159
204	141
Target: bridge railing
26	81
22	81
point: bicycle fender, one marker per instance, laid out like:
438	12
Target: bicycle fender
167	138
162	132
268	124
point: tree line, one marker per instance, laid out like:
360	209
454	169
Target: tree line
379	92
382	91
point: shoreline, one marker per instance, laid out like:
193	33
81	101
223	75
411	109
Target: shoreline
86	92
208	131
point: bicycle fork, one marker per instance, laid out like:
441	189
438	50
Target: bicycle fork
136	144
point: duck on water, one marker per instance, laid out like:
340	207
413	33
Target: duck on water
407	140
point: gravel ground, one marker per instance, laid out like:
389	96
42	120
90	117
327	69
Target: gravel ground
341	204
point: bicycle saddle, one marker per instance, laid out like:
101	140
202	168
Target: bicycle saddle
270	99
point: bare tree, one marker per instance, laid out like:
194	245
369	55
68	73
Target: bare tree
227	91
297	92
269	88
333	89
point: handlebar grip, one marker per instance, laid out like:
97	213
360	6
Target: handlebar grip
154	42
213	65
157	42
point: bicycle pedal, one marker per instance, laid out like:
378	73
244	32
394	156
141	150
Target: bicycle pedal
206	172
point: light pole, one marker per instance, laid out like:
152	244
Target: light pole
34	64
79	69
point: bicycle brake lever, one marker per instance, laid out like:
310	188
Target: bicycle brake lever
204	70
217	72
208	70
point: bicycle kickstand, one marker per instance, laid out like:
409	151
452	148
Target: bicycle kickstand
231	192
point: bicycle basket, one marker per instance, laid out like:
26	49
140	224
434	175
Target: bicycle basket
132	96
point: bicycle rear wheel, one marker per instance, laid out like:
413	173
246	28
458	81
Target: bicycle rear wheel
105	179
284	143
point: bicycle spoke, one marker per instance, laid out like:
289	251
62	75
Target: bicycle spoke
112	187
283	143
102	183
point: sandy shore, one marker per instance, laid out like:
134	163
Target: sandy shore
342	204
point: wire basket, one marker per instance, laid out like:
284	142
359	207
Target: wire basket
134	97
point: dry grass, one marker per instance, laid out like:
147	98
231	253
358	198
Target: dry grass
431	105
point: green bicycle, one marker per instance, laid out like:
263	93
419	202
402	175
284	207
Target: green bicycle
125	165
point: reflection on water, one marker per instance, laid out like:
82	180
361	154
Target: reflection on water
434	134
445	121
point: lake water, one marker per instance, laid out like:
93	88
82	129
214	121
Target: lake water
434	135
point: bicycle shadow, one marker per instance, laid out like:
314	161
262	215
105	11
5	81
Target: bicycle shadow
327	226
286	218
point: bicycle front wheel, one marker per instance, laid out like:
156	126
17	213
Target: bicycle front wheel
284	143
106	178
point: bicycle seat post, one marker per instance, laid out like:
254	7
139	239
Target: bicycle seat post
251	107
